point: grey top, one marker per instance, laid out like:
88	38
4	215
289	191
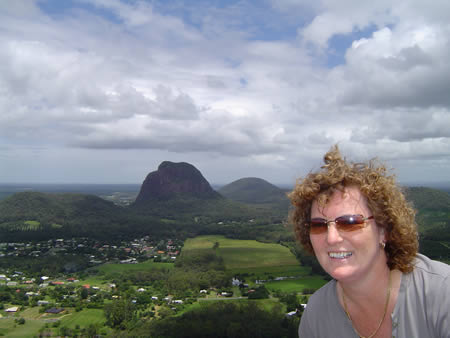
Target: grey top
422	309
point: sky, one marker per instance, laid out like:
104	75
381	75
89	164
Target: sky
103	91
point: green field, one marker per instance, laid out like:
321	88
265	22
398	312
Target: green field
109	271
112	268
296	285
84	318
269	272
9	328
255	260
245	254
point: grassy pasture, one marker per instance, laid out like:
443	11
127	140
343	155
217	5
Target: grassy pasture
245	254
84	318
113	268
296	285
31	313
9	328
273	271
109	270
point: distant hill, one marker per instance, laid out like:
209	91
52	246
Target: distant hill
428	198
174	201
36	214
254	191
177	201
433	219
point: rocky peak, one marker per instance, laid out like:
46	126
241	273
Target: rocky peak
173	180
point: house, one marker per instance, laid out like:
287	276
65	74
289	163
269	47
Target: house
203	291
235	282
43	302
177	301
12	309
293	313
56	283
140	290
154	298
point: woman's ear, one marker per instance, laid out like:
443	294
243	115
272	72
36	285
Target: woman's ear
382	235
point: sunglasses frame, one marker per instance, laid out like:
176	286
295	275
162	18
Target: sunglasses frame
345	227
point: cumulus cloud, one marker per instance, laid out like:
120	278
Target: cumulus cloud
239	81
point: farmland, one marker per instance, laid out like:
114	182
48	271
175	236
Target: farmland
140	292
257	261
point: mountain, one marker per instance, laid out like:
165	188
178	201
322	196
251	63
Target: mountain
174	181
254	190
174	201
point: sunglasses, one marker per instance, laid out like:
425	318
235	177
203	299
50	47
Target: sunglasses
343	223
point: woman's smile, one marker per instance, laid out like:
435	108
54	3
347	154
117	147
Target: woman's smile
339	254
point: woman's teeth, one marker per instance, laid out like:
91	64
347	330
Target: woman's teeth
339	255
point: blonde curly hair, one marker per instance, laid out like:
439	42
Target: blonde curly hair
385	199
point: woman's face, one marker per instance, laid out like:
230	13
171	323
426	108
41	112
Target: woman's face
347	256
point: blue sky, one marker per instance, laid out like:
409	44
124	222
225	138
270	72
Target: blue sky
102	91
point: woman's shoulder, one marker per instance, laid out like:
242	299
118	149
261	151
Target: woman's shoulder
429	268
427	290
324	294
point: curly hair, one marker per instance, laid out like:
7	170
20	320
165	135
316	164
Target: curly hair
385	199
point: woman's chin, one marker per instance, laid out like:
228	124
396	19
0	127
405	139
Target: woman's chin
342	273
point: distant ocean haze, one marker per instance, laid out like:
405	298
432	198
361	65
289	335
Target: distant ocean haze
92	189
7	189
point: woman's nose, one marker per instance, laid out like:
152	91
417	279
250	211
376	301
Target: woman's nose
333	235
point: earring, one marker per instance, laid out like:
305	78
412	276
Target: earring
382	245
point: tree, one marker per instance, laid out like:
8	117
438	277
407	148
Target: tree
119	313
84	293
259	293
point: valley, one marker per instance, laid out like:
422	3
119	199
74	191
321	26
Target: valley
150	278
174	259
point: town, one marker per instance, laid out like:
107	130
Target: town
98	252
99	278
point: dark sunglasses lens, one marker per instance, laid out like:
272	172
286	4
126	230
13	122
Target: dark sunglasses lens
349	222
318	225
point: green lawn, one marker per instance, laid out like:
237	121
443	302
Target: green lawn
296	285
84	318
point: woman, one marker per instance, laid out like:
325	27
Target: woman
357	223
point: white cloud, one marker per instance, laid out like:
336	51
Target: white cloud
229	84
